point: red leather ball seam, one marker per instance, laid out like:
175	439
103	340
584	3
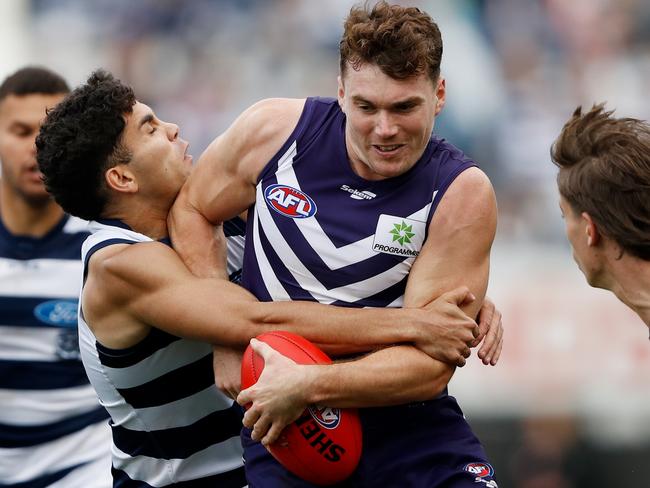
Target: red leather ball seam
295	344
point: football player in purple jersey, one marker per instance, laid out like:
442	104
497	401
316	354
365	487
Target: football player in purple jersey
426	227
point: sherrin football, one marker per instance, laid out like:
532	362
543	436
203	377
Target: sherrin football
324	445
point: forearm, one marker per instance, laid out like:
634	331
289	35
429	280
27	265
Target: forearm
219	312
194	238
226	363
339	330
389	376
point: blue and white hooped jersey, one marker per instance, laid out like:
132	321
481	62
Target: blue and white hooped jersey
320	232
171	425
52	428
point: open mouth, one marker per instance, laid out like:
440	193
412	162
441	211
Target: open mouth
387	149
187	156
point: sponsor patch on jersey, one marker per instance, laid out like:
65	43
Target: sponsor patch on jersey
358	194
480	470
326	416
60	313
289	201
399	236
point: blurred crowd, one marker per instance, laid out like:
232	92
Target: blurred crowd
515	69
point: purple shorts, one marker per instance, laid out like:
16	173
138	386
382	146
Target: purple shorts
426	444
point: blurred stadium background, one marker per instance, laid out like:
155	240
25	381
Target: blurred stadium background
569	403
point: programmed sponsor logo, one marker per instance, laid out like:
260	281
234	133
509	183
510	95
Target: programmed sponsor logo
290	201
326	416
60	313
399	236
358	194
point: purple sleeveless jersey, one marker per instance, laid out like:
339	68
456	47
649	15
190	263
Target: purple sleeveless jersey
320	232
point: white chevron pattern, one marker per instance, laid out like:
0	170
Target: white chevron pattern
334	257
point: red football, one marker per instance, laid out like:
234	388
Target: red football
324	445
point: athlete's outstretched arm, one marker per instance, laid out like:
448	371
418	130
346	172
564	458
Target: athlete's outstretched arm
146	284
222	185
457	252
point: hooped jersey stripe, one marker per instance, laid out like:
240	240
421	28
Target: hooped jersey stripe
48	410
171	425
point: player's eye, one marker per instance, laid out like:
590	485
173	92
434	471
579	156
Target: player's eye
405	107
22	131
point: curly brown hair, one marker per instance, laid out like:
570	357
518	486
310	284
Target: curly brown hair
402	41
82	137
605	171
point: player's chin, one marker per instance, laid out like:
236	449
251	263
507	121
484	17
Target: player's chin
594	279
36	193
391	169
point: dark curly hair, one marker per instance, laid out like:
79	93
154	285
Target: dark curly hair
605	171
80	139
402	41
31	80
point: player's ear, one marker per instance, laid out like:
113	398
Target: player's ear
120	178
340	92
591	230
441	94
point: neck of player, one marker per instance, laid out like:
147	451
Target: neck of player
631	277
145	217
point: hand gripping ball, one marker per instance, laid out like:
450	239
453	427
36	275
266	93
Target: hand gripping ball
324	445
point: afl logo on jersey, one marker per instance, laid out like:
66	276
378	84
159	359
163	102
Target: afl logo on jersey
326	416
289	201
60	313
480	470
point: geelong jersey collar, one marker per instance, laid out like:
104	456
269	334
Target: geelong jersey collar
114	223
122	225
